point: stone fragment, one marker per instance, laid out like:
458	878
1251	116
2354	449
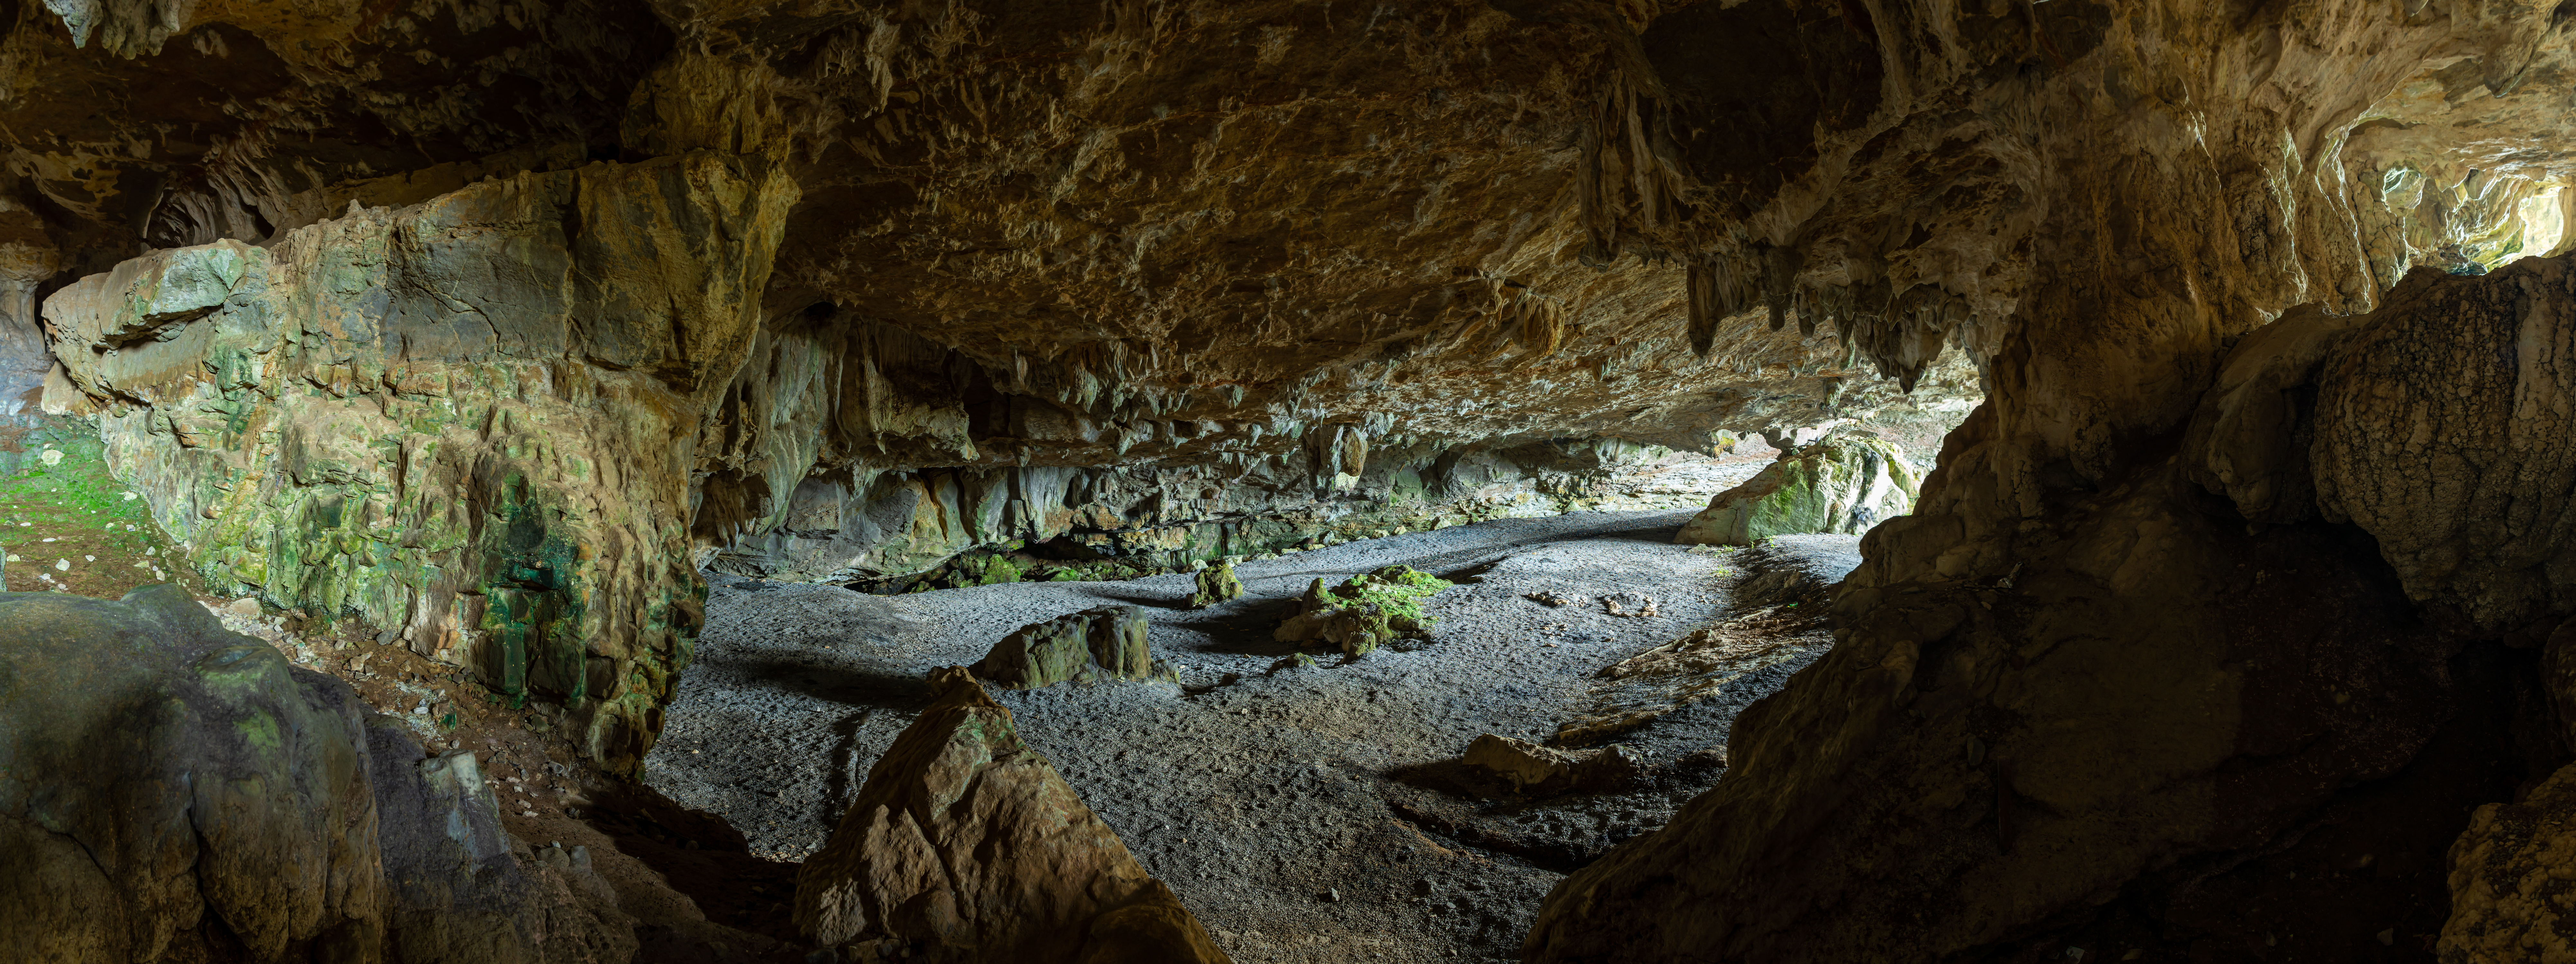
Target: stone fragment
1535	770
1634	605
1088	646
965	842
1549	597
1845	481
1216	584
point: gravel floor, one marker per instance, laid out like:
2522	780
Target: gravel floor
1305	814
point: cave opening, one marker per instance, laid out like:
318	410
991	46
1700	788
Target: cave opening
1541	480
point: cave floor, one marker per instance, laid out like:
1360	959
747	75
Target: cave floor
1305	814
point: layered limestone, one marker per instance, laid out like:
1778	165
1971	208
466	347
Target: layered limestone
468	424
1845	482
964	845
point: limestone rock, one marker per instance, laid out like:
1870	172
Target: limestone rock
1843	482
2508	876
1363	612
1216	584
469	421
1535	770
2470	514
167	787
1089	646
965	841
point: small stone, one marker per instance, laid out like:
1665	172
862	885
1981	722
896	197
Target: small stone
1332	895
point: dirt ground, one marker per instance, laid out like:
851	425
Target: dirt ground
1305	813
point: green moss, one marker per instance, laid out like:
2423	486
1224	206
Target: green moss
1393	596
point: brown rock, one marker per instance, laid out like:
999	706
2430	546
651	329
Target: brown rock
965	840
1535	770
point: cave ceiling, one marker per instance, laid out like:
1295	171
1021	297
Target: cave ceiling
1280	213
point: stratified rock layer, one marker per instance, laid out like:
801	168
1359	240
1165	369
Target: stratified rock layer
1845	482
966	844
468	423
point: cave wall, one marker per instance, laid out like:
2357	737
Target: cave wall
2210	590
467	423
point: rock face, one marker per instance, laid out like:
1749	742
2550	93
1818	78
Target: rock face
169	789
2508	900
1845	482
965	845
468	422
1089	646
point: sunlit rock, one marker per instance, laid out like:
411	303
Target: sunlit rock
1845	482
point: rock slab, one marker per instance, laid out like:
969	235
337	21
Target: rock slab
965	844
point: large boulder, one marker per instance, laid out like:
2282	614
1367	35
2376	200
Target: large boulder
1086	647
1844	482
172	790
965	845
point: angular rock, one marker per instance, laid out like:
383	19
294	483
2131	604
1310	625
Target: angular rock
966	842
1846	481
1089	646
1216	584
168	788
1539	771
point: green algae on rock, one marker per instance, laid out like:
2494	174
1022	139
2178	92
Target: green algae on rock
468	423
1216	584
1363	612
1844	482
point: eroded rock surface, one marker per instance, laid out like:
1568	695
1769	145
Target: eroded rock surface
169	789
467	422
965	844
1845	482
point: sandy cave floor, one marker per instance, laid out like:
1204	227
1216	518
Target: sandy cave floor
1305	814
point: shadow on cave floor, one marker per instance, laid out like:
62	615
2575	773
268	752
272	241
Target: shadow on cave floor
1284	804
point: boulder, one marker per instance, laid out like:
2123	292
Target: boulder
1539	771
1363	612
1084	647
171	790
1846	481
1216	584
966	845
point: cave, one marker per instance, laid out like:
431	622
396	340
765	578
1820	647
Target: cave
1282	480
